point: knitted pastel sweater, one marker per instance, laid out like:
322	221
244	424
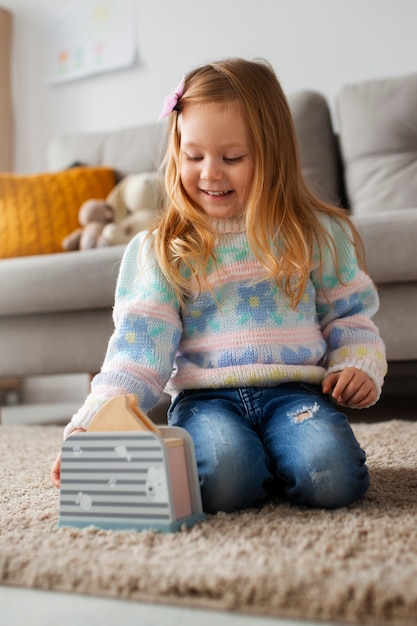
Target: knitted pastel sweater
237	332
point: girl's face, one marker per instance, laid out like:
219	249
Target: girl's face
216	158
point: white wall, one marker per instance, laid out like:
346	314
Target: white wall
313	44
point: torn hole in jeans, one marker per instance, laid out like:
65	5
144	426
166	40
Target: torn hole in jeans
305	413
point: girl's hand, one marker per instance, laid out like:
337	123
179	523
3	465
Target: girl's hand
56	467
350	387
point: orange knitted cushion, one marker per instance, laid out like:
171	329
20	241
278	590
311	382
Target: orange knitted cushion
37	211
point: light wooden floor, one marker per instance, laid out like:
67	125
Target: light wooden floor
45	608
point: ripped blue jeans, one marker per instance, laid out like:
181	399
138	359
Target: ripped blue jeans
252	443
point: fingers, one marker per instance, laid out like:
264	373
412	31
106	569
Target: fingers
56	472
351	387
345	387
56	468
329	382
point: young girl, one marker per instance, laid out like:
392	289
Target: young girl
247	303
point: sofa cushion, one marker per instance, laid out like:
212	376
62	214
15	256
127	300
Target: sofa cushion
378	130
389	239
319	152
37	211
127	150
70	281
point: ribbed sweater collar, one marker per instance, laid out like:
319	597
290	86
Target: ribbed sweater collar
229	225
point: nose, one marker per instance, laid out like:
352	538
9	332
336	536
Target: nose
211	170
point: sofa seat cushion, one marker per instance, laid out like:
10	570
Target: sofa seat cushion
38	210
378	132
70	281
389	239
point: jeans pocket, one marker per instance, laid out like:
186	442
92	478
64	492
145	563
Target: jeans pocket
177	398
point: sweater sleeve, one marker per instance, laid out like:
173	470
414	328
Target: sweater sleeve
345	308
147	330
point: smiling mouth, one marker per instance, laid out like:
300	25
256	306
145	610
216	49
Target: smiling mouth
217	194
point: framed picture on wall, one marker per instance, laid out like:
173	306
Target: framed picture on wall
90	37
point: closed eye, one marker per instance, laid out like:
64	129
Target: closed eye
193	158
229	160
232	159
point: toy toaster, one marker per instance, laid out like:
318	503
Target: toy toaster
126	473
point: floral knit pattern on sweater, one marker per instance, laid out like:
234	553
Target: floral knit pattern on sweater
237	332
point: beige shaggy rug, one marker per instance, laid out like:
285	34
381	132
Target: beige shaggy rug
356	565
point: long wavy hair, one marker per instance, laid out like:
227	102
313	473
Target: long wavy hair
282	215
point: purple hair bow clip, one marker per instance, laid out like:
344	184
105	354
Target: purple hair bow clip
171	102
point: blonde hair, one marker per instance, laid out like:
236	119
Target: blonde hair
282	214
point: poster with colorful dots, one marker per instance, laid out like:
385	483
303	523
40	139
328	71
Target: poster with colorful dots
90	37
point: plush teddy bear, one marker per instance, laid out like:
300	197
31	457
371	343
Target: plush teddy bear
136	201
130	207
93	216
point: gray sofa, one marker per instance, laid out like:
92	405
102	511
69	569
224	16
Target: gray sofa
55	310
